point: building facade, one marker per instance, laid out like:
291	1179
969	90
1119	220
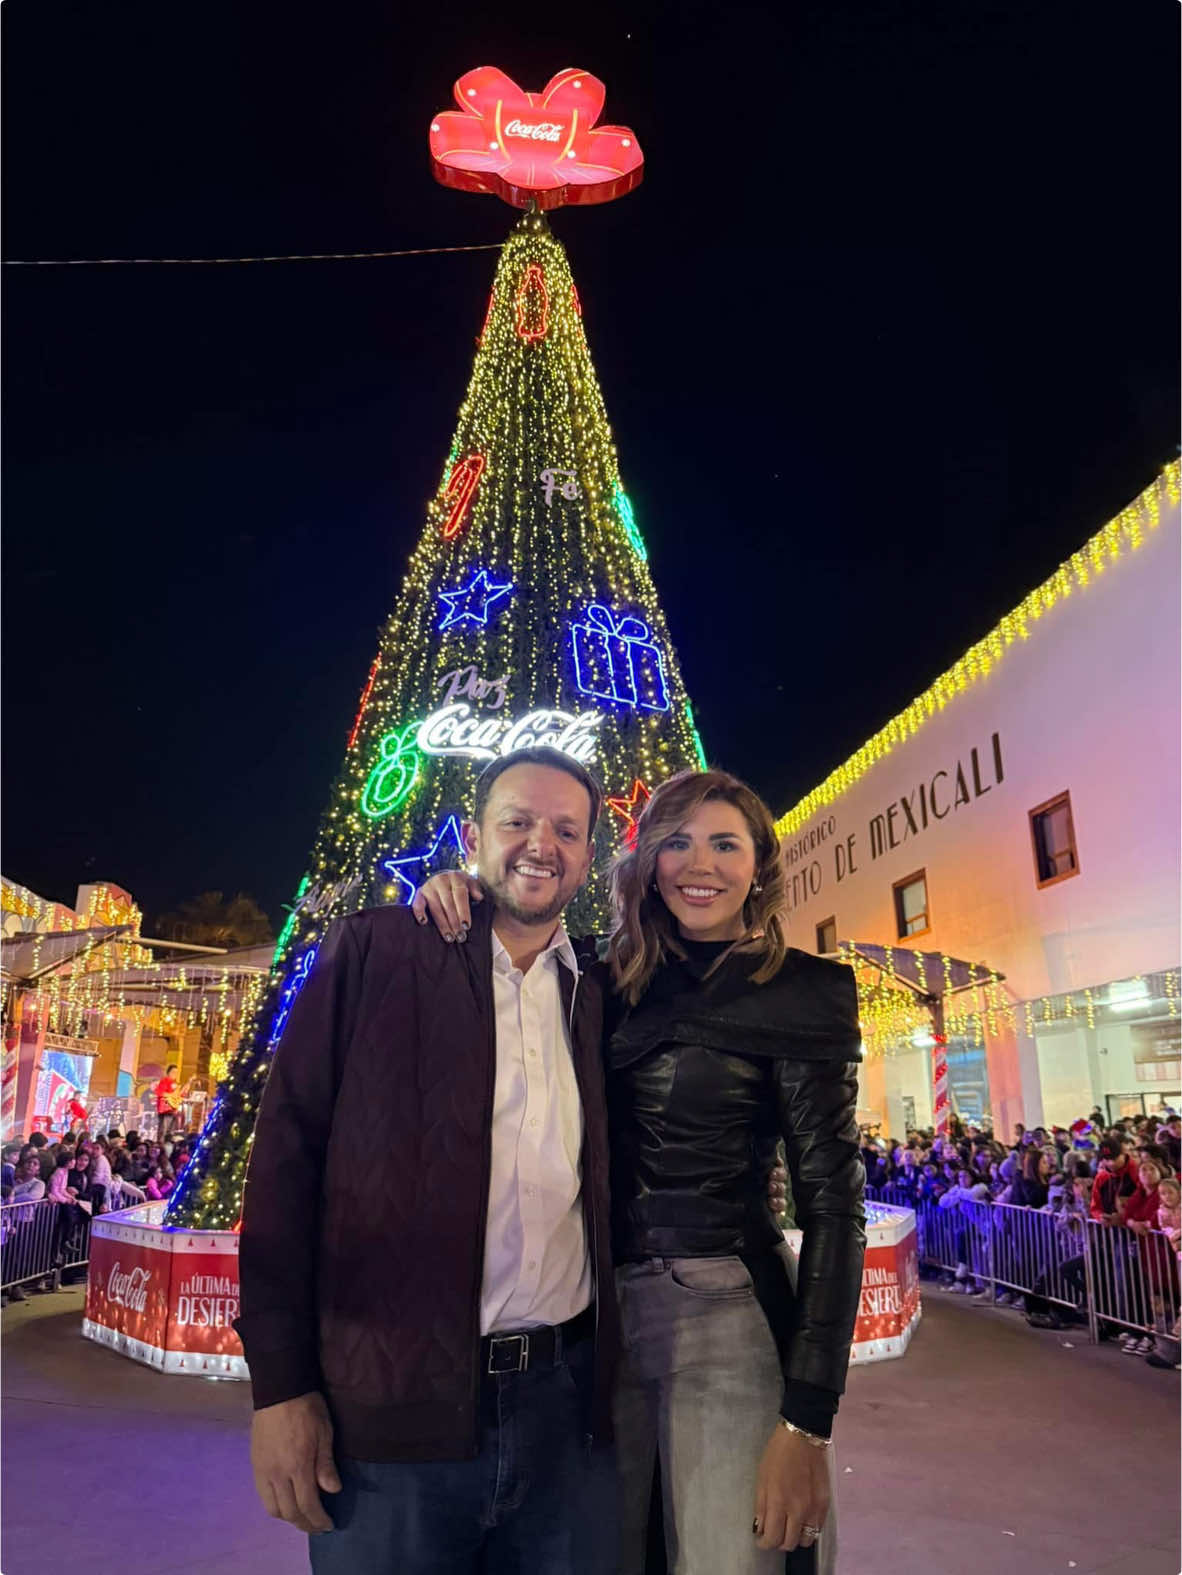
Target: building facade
1023	813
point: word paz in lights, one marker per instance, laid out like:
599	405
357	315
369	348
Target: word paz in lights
534	147
473	600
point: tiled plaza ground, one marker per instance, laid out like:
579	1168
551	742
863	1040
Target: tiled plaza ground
989	1448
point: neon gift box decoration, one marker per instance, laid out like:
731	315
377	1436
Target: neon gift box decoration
619	660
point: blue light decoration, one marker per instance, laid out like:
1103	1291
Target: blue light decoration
472	601
402	867
296	981
619	660
628	520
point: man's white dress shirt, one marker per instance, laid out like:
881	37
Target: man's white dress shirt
536	1266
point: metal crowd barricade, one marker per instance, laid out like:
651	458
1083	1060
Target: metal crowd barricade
1106	1273
30	1236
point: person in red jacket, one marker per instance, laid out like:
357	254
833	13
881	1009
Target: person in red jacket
1115	1182
76	1110
166	1103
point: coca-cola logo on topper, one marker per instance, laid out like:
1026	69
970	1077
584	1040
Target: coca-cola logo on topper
541	147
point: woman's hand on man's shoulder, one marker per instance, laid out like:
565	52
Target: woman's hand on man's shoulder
446	900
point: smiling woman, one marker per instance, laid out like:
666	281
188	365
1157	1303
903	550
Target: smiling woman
724	1042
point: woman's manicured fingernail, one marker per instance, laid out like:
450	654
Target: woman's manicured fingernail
449	937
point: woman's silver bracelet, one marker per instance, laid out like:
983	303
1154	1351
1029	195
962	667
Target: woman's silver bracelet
814	1439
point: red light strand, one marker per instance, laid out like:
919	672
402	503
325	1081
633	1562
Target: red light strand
461	484
492	301
533	305
365	694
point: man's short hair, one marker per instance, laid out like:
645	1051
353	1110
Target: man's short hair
39	1140
171	1067
539	755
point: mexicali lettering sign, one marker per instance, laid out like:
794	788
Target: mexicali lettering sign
945	792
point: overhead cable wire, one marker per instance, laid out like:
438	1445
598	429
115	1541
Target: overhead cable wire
123	262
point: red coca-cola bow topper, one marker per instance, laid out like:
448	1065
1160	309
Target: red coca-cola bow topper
542	147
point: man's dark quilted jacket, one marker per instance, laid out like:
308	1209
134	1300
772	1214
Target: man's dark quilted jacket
362	1246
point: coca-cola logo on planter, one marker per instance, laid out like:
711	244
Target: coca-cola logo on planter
128	1290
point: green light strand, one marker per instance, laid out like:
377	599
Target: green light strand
285	932
628	521
697	737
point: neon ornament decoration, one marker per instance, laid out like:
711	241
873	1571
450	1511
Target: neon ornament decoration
534	147
394	775
532	305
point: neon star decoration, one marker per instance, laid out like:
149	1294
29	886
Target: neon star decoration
461	484
407	866
531	305
473	601
541	147
617	660
629	809
395	773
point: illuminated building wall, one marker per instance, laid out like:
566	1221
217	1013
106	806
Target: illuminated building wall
1076	692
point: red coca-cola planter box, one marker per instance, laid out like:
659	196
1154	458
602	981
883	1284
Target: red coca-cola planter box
164	1296
889	1307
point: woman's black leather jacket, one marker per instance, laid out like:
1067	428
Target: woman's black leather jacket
704	1076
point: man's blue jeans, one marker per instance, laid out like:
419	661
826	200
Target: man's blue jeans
537	1500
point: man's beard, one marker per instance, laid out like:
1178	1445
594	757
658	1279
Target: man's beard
503	899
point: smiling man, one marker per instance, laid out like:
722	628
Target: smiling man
426	1345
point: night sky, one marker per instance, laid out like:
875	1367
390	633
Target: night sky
890	327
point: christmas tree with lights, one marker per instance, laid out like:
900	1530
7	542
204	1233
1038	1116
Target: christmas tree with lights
528	614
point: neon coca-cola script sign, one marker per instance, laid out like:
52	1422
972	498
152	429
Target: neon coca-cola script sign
534	147
455	731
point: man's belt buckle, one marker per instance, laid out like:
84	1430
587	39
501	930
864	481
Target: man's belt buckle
503	1359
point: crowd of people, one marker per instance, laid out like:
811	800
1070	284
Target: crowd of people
85	1176
1116	1174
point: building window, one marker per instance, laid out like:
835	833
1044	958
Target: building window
1052	834
826	936
911	905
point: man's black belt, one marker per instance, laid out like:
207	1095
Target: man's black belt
518	1351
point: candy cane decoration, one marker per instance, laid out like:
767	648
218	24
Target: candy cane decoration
941	1110
461	484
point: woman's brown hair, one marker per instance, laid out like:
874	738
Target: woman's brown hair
645	933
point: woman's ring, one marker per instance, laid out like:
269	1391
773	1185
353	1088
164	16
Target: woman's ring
809	1534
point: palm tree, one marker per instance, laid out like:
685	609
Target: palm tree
209	920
